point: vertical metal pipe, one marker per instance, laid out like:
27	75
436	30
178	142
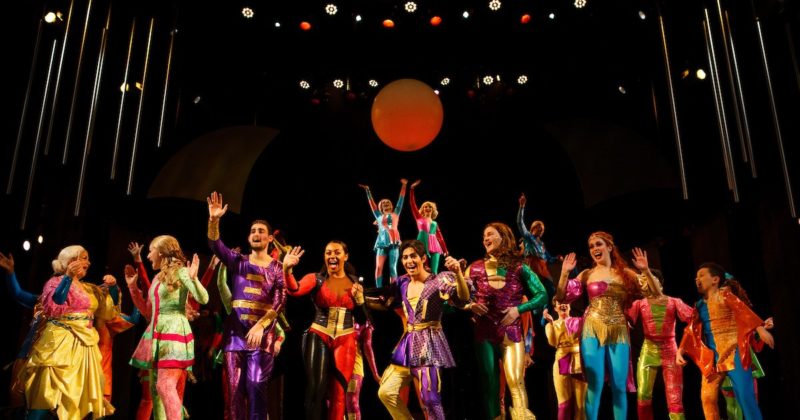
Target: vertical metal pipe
38	140
58	79
792	53
724	31
673	109
25	107
87	142
748	141
166	87
70	119
124	89
721	115
139	112
774	108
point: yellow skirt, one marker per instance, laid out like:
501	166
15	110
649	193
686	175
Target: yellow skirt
64	372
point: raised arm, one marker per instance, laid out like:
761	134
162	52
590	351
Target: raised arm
303	287
22	297
225	294
216	210
374	207
413	201
195	288
399	207
523	230
139	301
649	284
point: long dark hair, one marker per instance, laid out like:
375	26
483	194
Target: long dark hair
727	280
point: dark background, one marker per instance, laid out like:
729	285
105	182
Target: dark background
587	155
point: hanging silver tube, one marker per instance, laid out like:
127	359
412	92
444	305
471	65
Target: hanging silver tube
25	107
70	119
58	79
124	89
139	112
87	142
166	87
774	108
722	117
673	109
38	140
748	141
725	31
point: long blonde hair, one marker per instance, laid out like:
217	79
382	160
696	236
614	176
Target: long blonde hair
66	256
172	260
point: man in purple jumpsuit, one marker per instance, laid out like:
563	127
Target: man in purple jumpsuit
253	304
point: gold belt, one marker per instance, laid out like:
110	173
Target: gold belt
434	325
249	304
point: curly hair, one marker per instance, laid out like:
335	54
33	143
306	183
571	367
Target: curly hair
507	254
434	209
66	256
172	260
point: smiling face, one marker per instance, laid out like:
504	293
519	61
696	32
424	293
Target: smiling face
259	237
413	259
562	309
491	240
335	257
600	250
385	206
84	258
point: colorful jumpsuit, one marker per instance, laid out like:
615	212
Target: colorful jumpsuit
495	341
255	291
422	350
388	241
718	341
166	348
658	351
535	252
430	235
564	335
329	345
604	343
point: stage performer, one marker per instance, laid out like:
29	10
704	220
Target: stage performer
387	218
565	335
429	232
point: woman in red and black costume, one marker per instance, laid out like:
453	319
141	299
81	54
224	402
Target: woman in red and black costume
329	345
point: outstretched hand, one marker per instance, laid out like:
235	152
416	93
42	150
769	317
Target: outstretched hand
546	315
569	263
640	259
136	251
403	181
522	200
364	186
414	185
292	258
452	264
193	266
215	207
130	275
7	263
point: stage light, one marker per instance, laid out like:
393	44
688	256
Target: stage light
580	4
445	81
373	83
436	91
277	24
248	13
701	74
304	84
622	89
436	21
338	83
26	245
488	80
197	100
124	87
494	5
388	23
522	79
685	74
40	239
305	26
551	15
50	17
331	9
358	18
642	16
526	18
465	14
410	7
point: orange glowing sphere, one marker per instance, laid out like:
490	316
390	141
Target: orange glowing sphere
436	20
407	115
525	18
388	23
305	25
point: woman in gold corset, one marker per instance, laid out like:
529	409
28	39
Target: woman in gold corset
605	343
